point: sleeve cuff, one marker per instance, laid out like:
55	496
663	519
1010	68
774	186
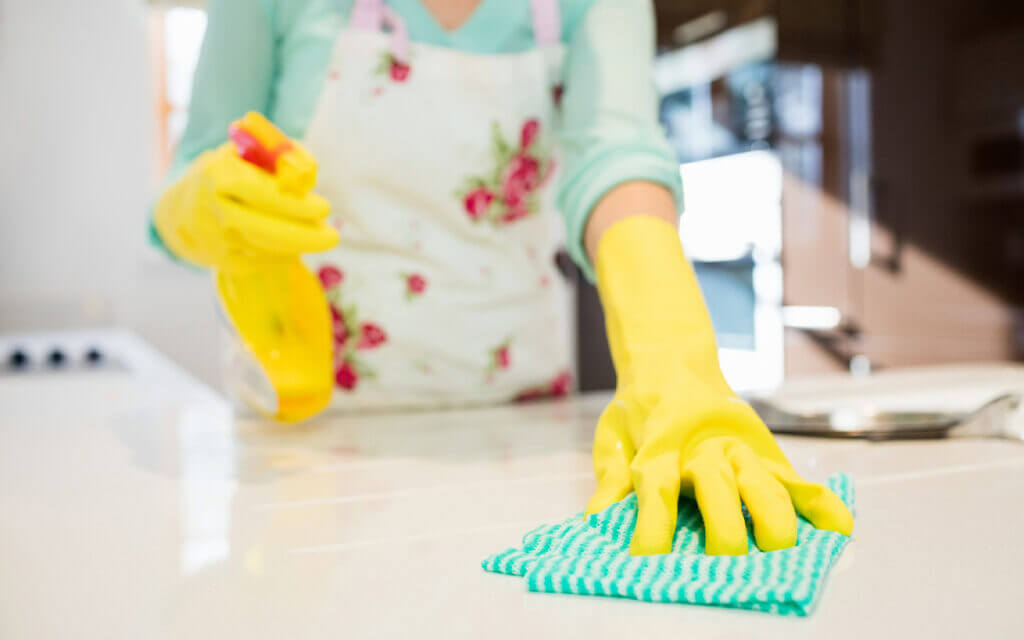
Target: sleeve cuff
152	235
604	170
158	243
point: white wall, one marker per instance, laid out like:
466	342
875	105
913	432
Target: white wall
76	179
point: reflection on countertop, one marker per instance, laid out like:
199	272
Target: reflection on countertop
141	505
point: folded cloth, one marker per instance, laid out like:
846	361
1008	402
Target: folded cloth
590	556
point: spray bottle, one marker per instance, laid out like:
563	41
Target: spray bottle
280	351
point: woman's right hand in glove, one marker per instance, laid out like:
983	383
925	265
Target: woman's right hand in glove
226	213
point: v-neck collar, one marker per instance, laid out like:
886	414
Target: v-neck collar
485	18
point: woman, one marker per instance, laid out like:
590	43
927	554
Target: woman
448	135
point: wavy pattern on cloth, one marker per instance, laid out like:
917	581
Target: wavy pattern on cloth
591	557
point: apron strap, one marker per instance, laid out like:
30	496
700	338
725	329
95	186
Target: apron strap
547	22
367	14
374	15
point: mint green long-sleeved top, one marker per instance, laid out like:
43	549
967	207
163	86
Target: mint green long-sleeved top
272	56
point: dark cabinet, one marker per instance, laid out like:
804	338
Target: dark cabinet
903	204
920	249
827	32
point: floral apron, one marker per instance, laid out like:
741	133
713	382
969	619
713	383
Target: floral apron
439	168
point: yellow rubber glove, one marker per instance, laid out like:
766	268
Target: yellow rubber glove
247	210
227	213
674	424
281	314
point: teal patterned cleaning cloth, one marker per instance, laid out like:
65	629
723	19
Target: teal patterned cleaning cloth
590	556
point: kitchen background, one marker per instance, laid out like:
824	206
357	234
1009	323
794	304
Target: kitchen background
854	174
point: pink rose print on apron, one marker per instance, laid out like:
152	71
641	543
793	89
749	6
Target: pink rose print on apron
500	359
352	336
393	68
441	303
510	191
560	386
415	285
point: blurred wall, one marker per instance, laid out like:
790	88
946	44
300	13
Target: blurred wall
77	178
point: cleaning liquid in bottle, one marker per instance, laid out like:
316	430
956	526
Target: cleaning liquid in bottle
280	349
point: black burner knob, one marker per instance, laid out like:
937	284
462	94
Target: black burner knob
18	359
94	356
56	358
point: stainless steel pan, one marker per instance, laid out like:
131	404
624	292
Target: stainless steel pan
993	420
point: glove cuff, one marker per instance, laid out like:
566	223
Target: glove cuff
655	314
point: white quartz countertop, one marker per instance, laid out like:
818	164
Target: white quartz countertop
134	505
